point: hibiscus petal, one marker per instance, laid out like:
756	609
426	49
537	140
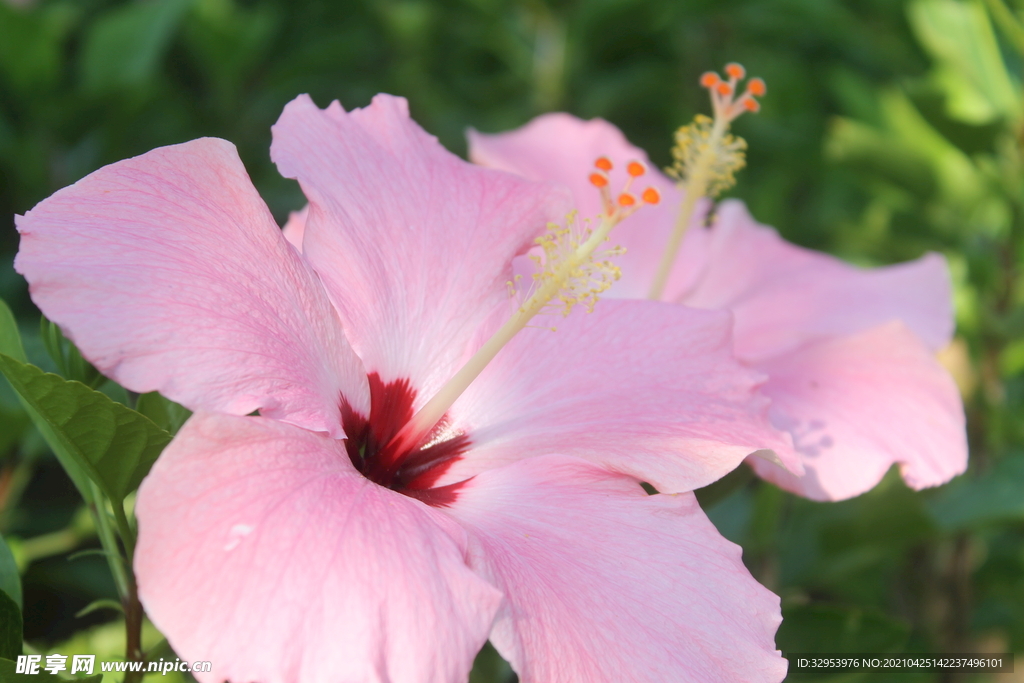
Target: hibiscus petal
414	245
295	228
783	295
262	551
858	404
562	148
170	274
640	387
606	584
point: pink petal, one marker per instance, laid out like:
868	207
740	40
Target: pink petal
262	551
170	274
639	387
605	584
413	244
295	227
860	403
783	295
562	148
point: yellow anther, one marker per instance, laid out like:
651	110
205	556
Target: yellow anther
580	277
708	156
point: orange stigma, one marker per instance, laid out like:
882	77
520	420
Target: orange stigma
723	93
620	205
709	79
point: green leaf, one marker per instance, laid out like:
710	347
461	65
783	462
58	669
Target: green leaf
10	628
11	346
123	48
100	604
970	68
489	667
10	580
164	412
112	444
10	338
67	357
8	667
30	47
973	502
831	628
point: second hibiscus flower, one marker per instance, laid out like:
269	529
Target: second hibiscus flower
849	353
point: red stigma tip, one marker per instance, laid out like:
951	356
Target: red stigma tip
626	199
636	169
724	89
750	104
651	196
735	70
709	79
757	87
599	179
603	163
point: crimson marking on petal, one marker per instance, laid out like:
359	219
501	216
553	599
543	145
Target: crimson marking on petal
440	497
411	471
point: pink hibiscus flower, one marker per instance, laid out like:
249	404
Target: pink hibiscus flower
332	539
849	353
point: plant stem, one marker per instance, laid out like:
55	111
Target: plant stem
133	614
109	542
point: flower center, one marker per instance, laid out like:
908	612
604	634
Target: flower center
411	470
707	156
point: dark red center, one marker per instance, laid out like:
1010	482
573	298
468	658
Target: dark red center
412	471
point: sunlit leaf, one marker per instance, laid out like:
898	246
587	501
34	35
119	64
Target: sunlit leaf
870	150
113	444
969	65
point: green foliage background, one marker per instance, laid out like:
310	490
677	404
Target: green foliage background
890	129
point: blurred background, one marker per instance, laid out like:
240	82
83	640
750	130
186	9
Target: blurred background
890	129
